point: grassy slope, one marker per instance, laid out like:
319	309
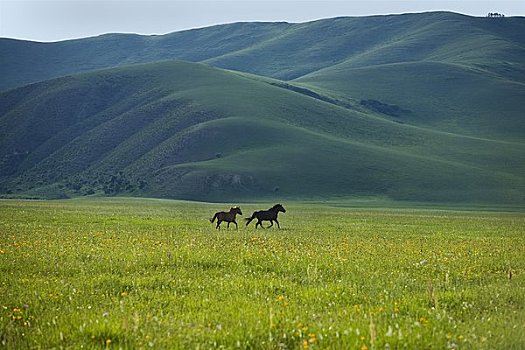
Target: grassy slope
23	62
283	50
441	96
453	73
168	122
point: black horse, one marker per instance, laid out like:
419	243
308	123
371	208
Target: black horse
227	216
266	215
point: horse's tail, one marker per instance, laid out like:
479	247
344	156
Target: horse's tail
214	217
248	220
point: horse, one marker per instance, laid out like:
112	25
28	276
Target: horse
226	216
266	215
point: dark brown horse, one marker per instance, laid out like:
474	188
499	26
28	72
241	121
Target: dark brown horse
226	216
266	215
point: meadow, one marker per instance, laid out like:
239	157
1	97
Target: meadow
139	273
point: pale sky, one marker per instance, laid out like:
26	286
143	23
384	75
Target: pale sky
54	20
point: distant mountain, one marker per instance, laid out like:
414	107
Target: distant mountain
425	107
185	130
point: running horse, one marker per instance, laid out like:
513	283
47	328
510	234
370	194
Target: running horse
266	215
229	217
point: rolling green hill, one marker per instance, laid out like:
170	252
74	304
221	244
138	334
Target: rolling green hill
441	96
453	73
23	62
186	130
286	51
424	107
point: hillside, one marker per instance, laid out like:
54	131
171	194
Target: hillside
424	107
23	62
286	51
458	74
441	96
439	70
186	130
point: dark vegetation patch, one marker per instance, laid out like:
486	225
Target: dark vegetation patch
312	94
384	108
109	184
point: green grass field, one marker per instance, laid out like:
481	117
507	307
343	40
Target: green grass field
135	273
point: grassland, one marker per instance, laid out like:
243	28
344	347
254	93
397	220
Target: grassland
131	273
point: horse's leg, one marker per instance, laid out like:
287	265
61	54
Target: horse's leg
235	222
228	224
259	222
277	223
218	223
271	223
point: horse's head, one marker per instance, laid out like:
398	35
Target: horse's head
236	210
279	207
